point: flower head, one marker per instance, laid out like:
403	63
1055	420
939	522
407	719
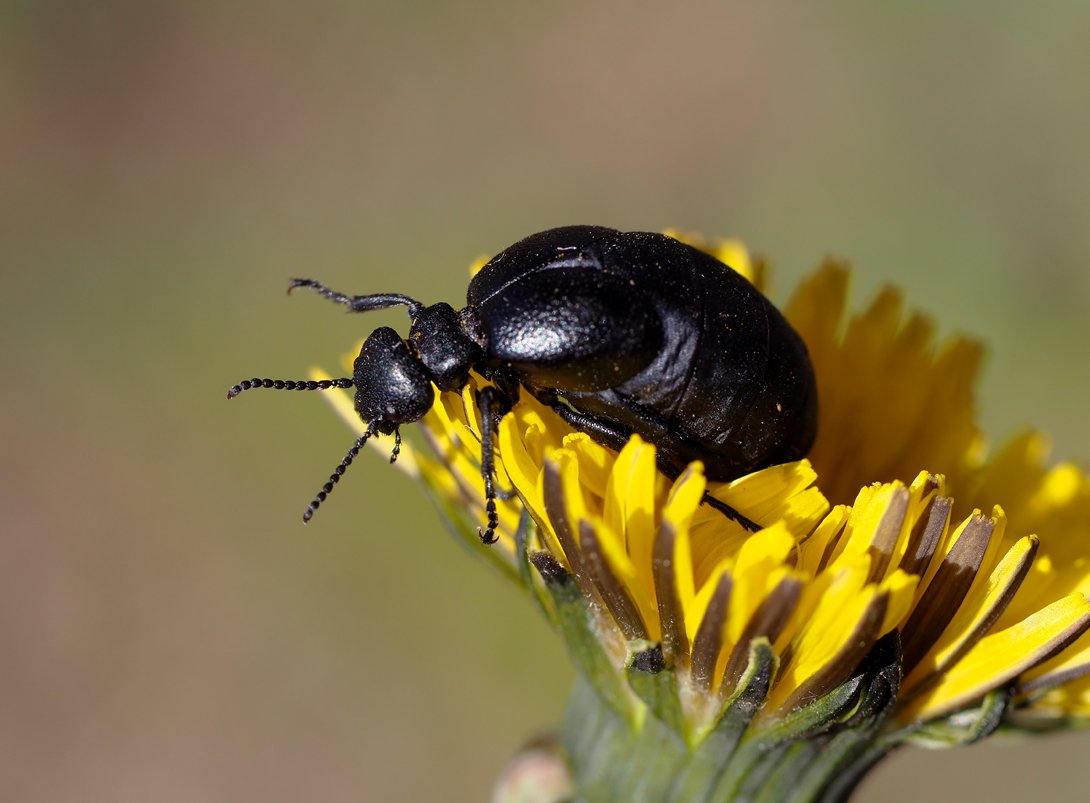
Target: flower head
887	593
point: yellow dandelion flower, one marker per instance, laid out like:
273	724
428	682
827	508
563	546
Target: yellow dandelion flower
886	598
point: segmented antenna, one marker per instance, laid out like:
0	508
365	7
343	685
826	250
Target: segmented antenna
289	384
361	303
327	489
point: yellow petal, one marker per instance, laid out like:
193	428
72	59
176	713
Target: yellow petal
843	623
981	607
998	658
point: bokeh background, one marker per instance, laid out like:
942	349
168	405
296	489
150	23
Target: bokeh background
168	629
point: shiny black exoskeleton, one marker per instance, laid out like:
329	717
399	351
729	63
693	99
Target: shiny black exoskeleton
620	333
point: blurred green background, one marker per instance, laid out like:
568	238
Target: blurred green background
170	632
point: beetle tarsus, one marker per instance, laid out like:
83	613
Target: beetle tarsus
397	446
488	534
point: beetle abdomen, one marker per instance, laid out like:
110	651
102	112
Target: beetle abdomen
732	384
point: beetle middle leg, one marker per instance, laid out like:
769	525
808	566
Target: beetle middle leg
616	437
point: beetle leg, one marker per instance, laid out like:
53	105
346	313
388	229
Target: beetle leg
397	446
605	433
493	404
615	437
503	494
730	513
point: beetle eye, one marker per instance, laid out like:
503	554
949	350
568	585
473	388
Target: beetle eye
392	386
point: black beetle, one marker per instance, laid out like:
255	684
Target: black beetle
619	333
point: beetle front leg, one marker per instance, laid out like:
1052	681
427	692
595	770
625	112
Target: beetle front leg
493	404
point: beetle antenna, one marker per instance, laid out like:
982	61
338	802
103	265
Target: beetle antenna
361	303
327	489
289	384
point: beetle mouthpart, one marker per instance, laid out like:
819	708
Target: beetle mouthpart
327	489
289	384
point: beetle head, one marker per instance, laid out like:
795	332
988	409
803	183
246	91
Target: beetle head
393	377
392	384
